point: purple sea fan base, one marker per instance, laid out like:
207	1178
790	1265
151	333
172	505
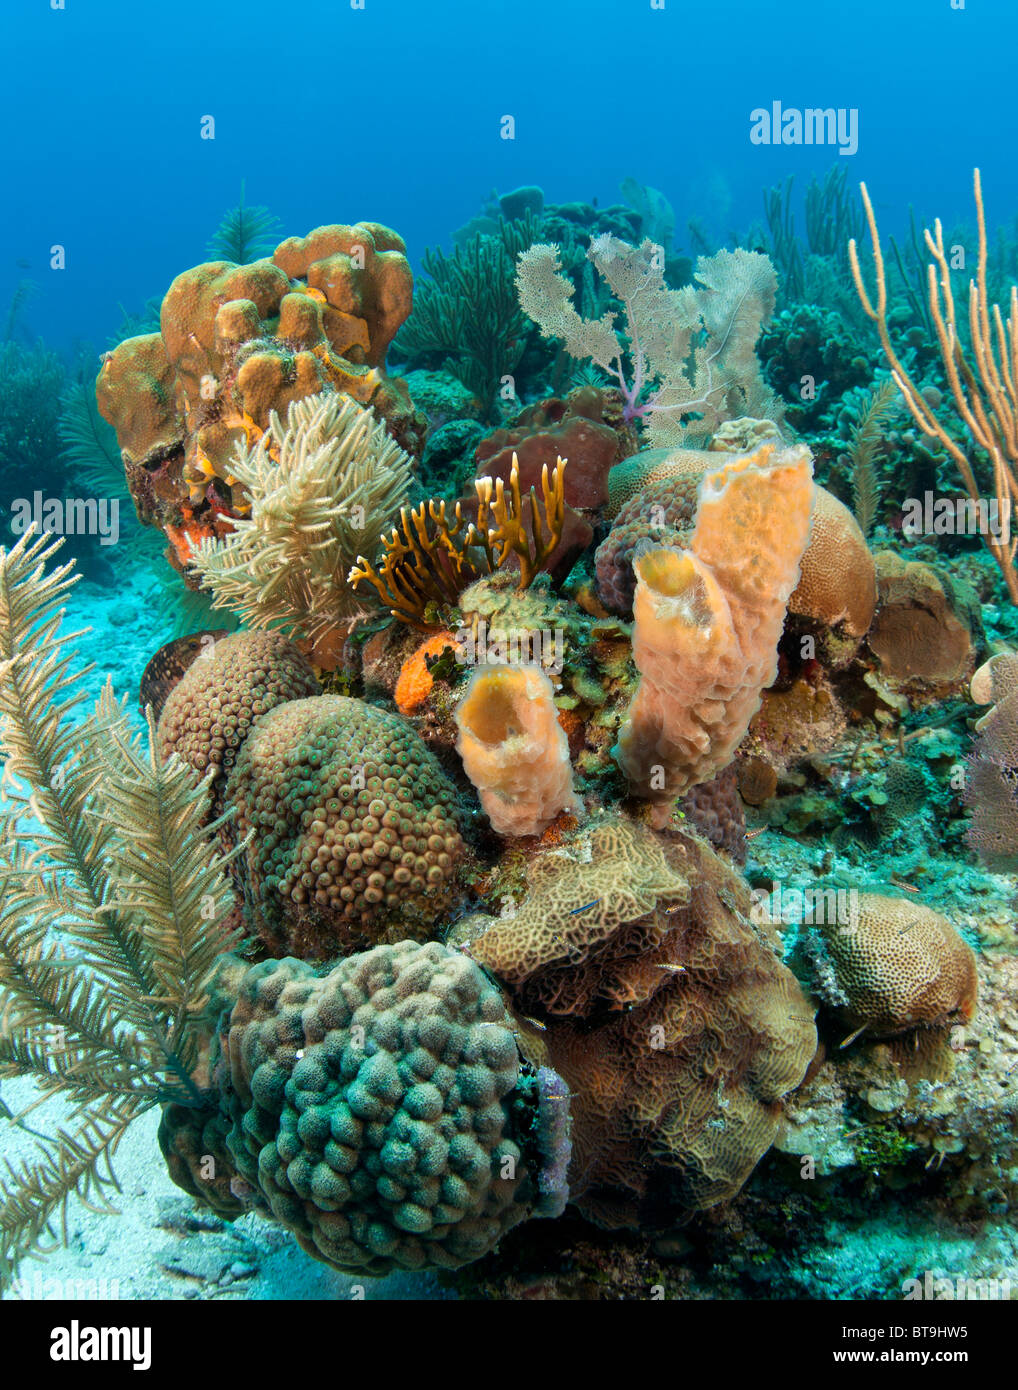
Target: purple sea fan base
554	1126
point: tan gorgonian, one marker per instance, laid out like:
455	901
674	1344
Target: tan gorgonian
113	910
323	488
983	379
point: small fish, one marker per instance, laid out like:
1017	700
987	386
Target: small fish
675	969
906	887
168	665
575	911
535	1023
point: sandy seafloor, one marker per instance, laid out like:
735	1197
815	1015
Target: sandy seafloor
162	1246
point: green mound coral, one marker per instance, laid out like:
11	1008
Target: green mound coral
357	830
381	1111
230	685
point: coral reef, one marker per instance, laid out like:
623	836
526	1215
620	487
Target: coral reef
837	583
576	429
714	809
922	635
357	831
111	917
514	750
415	681
429	560
466	317
708	619
992	781
668	1015
221	696
896	965
381	1110
239	342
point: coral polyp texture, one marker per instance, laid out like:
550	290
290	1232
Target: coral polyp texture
514	750
898	965
670	1017
237	342
357	830
221	695
708	619
321	486
382	1111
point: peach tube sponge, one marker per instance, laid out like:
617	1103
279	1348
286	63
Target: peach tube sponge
707	621
514	750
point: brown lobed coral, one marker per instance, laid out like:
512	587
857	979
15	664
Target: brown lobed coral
923	634
576	428
236	343
222	693
356	828
991	787
665	1009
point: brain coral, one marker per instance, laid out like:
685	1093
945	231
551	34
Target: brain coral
898	965
357	829
236	680
662	513
668	1014
382	1110
236	343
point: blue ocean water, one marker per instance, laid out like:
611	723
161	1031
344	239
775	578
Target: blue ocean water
393	113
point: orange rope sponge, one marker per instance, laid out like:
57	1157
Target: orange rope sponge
415	680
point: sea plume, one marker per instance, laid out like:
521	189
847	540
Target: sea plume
323	488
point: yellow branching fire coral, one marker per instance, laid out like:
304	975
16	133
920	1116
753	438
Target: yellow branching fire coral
429	560
708	619
514	749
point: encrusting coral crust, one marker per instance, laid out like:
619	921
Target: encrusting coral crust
666	1009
